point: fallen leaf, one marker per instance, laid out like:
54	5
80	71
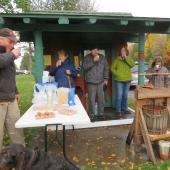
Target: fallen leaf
129	150
49	130
87	159
103	163
115	163
158	167
131	165
123	160
113	154
75	159
140	158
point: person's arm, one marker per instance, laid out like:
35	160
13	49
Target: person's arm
166	78
113	68
88	63
130	62
6	59
17	96
53	70
73	72
106	71
150	70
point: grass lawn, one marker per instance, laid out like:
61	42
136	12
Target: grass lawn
25	84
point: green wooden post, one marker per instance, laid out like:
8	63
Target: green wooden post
38	58
141	58
113	82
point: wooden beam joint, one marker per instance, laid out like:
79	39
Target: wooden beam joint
29	20
63	20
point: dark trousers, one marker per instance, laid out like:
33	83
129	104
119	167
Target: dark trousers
96	90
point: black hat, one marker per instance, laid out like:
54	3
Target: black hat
93	47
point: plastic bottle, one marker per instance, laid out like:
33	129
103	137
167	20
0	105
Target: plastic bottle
95	109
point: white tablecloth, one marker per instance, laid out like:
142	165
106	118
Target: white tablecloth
29	120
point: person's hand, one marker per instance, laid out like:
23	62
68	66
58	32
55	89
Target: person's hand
16	52
156	68
106	82
123	54
96	58
17	97
68	72
58	63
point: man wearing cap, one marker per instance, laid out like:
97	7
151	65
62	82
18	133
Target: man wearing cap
9	111
96	76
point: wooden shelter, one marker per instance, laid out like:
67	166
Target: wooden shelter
73	31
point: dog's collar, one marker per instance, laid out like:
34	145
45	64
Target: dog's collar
31	160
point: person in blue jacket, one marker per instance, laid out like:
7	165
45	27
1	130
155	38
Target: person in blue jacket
62	69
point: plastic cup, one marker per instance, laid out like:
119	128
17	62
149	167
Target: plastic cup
164	149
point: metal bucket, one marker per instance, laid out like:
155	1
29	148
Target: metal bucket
156	118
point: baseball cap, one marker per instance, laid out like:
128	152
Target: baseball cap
6	32
93	47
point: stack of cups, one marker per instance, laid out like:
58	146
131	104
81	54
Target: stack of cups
164	149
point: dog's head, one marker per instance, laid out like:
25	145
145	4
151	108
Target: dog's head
10	155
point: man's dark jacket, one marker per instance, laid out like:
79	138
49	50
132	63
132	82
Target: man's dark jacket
8	87
96	72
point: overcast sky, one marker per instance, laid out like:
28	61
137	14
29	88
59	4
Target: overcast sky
143	8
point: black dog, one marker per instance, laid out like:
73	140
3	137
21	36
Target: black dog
22	158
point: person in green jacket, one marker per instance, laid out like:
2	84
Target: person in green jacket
121	69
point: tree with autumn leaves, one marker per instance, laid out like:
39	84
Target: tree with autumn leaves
155	45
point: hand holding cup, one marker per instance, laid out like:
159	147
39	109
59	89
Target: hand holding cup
123	53
16	52
58	63
157	67
96	58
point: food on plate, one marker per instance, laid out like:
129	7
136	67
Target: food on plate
44	115
41	107
56	106
67	111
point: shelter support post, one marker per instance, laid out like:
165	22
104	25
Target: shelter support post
38	58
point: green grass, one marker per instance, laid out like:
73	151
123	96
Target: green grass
131	103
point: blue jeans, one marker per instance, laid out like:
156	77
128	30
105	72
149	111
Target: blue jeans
122	95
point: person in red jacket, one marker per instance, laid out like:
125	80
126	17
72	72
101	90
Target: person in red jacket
9	96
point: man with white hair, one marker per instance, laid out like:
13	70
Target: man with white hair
9	96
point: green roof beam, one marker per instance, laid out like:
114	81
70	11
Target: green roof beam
29	20
5	20
63	20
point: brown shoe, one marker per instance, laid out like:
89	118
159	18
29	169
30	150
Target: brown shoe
119	113
126	111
